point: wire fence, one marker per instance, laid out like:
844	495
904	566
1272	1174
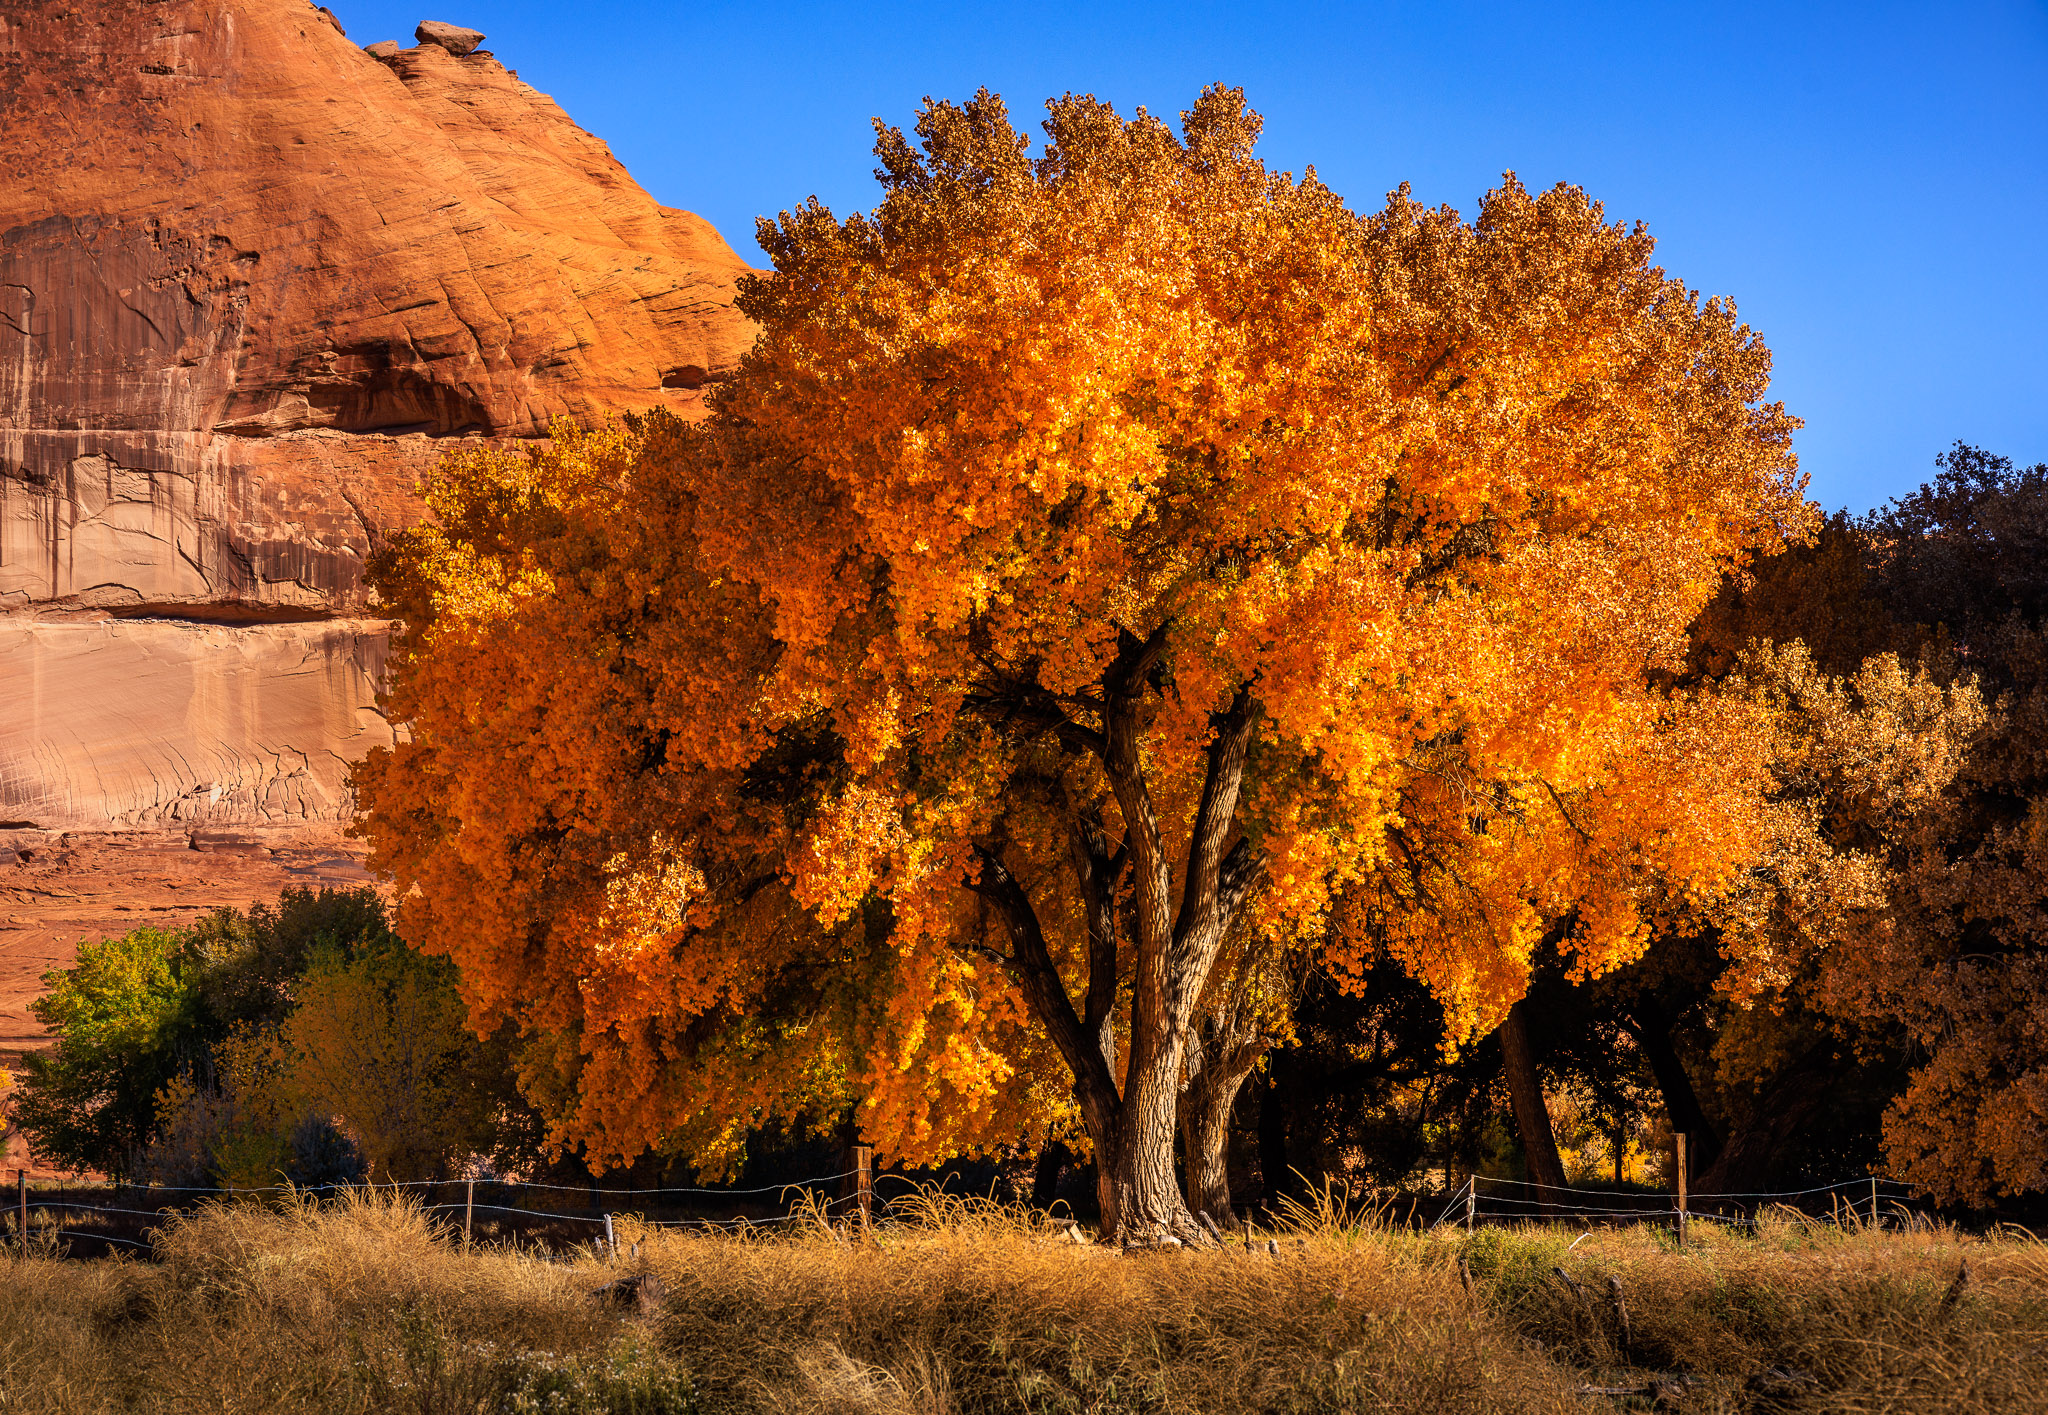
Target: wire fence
1483	1198
398	1184
68	1213
1479	1200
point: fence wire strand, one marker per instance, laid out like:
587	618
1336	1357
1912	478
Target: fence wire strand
1487	1204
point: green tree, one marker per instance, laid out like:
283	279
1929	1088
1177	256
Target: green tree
123	1017
381	1042
254	1043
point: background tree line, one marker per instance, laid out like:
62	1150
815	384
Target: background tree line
1900	1026
299	1041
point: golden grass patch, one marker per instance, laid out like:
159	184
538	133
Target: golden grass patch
365	1304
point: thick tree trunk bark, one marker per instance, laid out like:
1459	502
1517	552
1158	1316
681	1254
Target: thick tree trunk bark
1172	950
1206	1103
1176	948
1532	1116
1651	1027
1148	1199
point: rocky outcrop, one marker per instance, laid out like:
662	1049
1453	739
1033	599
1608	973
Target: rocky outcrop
244	264
254	280
453	38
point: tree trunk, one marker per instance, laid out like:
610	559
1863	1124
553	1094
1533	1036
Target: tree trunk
1176	948
1206	1103
1147	1198
1651	1027
1784	1106
1173	950
1532	1116
1053	1157
1221	1052
1102	1109
1098	868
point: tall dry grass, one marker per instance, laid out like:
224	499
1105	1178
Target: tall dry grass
360	1304
365	1305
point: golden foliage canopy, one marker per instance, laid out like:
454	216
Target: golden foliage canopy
1043	479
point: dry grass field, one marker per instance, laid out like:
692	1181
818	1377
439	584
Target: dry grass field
366	1305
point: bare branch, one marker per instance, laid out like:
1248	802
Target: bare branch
1567	815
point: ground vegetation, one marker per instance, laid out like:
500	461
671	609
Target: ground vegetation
364	1305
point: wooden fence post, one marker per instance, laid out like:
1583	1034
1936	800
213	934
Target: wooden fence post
1471	1202
468	1209
1681	1188
863	1165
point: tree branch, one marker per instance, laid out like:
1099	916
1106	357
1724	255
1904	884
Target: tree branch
1217	815
1240	874
1035	708
1037	976
1099	871
1558	801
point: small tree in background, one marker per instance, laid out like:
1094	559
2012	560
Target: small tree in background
123	1020
382	1040
300	1041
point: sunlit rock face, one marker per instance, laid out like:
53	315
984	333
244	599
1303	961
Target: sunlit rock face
153	724
255	279
245	264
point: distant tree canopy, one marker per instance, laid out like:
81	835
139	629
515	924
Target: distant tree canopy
1951	965
1873	990
302	1041
1117	580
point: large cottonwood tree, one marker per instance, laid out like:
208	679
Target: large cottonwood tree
1114	568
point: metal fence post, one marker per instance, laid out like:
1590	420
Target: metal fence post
468	1209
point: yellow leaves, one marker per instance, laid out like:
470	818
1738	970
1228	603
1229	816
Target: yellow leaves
705	716
845	851
648	895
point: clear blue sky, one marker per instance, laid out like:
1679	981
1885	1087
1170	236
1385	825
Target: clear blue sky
1869	182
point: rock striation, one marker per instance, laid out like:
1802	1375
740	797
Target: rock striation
254	280
161	725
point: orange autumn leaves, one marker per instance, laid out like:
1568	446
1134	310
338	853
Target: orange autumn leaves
709	723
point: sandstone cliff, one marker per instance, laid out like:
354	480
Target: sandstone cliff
249	273
253	280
